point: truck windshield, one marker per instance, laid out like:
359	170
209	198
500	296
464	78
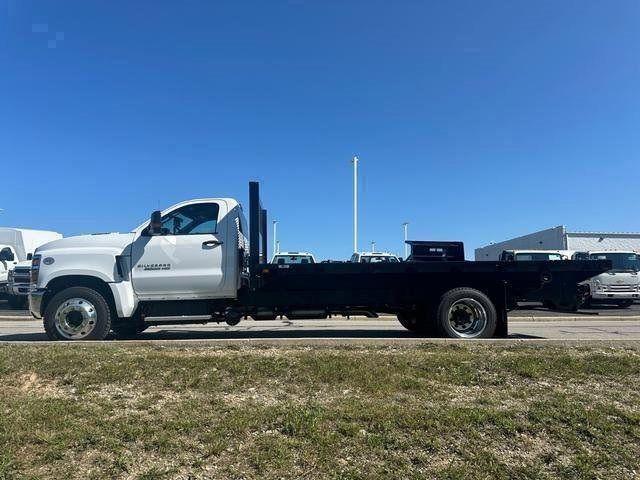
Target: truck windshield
289	259
378	259
620	261
537	256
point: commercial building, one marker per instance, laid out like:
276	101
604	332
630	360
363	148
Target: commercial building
559	238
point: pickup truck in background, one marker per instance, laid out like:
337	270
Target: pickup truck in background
373	257
619	286
17	246
193	263
287	258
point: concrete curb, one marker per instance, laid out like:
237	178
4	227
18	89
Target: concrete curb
579	318
338	342
516	319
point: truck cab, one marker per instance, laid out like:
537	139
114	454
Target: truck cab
8	259
193	252
619	286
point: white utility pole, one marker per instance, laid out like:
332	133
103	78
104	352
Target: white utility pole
275	237
278	246
355	204
373	245
405	225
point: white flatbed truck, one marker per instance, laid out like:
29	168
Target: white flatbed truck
193	263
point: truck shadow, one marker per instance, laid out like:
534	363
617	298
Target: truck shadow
213	335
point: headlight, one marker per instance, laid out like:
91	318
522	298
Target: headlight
35	268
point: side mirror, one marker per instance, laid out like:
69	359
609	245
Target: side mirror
29	256
6	255
155	225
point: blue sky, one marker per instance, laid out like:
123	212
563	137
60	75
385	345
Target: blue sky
473	121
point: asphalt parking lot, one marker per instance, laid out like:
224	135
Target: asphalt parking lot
530	322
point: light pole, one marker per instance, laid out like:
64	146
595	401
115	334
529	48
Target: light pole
373	245
355	204
278	246
405	225
275	237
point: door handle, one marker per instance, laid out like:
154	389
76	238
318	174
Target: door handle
212	243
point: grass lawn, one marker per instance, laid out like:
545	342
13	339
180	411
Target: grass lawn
431	411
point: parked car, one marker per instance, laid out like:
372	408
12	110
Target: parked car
287	258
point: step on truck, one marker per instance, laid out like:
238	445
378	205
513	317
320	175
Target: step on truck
193	263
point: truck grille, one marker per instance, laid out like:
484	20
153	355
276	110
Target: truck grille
22	276
621	288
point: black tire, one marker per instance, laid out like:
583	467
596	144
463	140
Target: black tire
421	322
624	303
563	306
18	302
463	306
101	322
126	328
567	306
549	304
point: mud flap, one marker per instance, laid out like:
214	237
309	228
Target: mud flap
502	326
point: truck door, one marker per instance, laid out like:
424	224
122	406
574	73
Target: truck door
187	260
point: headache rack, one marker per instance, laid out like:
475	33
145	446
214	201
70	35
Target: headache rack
257	234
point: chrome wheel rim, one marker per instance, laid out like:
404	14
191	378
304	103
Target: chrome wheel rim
467	317
75	318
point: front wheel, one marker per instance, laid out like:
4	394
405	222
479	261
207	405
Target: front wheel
77	313
467	313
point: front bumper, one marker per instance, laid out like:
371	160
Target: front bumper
615	295
35	302
20	289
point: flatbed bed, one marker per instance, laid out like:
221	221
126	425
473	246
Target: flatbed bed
414	291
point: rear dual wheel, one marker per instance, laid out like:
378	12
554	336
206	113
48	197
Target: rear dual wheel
461	313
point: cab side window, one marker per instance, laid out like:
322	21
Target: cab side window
198	218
